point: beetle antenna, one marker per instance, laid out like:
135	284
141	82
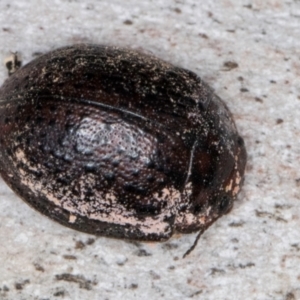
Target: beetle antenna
194	244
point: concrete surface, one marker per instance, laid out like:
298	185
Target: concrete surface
249	52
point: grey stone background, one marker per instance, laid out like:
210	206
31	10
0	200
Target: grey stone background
249	52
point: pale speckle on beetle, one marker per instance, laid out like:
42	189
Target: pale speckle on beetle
13	63
114	142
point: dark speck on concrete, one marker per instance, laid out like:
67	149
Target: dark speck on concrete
4	289
196	294
128	22
216	271
133	286
290	296
79	245
79	279
170	246
70	257
237	224
154	275
142	252
247	265
90	241
229	65
244	90
38	267
20	285
59	293
203	35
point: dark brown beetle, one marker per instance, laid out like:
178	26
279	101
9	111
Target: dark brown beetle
114	142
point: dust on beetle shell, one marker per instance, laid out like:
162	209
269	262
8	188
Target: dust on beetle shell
13	63
118	143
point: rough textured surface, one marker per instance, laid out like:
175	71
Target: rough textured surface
249	53
114	142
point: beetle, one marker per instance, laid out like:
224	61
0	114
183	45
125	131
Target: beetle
115	142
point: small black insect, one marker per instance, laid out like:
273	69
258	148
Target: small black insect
114	142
